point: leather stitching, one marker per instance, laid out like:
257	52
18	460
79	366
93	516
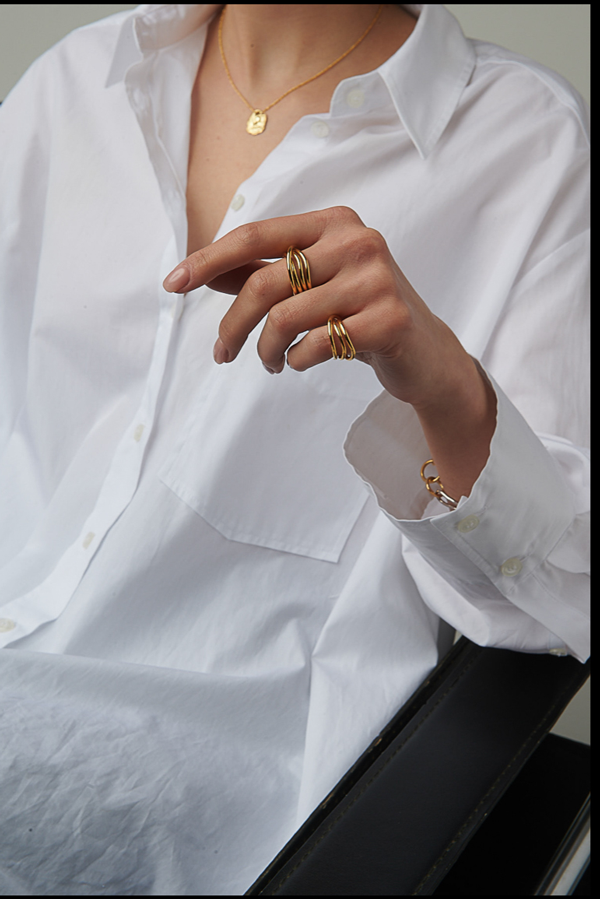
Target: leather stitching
541	725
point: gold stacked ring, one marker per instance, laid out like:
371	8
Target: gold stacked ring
298	270
336	328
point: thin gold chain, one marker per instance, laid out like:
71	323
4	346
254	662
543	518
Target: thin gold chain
302	83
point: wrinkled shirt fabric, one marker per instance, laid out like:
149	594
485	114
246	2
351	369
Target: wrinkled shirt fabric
217	586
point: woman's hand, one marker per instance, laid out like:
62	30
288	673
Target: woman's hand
416	357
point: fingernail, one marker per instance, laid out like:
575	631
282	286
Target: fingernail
220	352
270	370
176	279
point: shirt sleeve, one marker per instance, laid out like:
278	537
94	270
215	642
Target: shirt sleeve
510	566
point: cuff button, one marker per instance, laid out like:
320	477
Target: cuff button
511	567
468	524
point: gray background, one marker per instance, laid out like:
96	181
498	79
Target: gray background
557	35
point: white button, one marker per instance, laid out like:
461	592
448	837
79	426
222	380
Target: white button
511	567
88	539
355	98
137	434
467	524
7	624
558	651
237	202
320	129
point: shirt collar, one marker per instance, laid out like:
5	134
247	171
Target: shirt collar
425	78
428	74
153	26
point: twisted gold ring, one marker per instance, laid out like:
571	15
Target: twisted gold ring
336	328
298	270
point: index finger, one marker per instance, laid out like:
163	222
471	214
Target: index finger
256	240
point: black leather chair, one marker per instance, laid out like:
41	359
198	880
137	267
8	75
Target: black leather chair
464	792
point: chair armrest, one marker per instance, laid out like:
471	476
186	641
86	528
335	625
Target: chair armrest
401	816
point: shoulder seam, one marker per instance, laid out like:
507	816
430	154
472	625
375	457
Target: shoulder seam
538	70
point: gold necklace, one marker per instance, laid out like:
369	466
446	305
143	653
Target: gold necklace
257	122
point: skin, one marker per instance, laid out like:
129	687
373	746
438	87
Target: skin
414	354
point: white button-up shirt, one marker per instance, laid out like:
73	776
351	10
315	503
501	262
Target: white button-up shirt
208	611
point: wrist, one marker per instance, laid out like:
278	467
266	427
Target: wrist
458	427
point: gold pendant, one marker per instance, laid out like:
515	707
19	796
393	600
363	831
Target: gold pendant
257	122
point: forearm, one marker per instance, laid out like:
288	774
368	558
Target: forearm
458	430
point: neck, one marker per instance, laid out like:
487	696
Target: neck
271	47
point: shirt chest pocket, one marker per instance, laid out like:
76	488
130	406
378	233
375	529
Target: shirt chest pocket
261	456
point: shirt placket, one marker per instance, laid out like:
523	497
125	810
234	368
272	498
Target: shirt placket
48	599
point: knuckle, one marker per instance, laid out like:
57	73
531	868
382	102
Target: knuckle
374	242
365	246
259	285
197	261
342	215
248	235
281	318
319	343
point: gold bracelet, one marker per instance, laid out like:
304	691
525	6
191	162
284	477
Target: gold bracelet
439	493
